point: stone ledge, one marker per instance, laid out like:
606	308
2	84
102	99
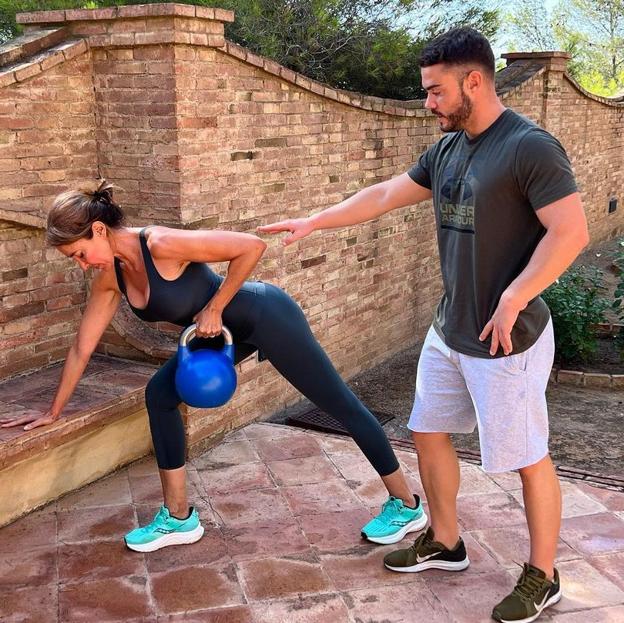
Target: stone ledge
46	476
139	25
32	218
29	44
545	54
25	69
159	345
592	379
133	11
587	379
109	389
399	108
512	77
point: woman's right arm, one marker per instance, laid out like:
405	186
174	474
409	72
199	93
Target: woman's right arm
101	307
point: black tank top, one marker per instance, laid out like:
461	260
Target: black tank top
175	301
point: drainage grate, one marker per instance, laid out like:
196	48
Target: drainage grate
315	419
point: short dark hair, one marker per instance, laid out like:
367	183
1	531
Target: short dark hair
460	46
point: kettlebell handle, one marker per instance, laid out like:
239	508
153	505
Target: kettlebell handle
189	333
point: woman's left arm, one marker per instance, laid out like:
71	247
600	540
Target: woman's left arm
242	251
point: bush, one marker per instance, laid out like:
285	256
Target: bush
618	262
576	305
618	295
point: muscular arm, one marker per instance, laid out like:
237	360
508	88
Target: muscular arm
365	205
242	251
372	202
566	236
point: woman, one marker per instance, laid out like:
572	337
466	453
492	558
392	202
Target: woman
163	274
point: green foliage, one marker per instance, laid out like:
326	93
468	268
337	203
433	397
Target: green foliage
596	82
592	31
576	304
529	25
618	302
370	46
618	295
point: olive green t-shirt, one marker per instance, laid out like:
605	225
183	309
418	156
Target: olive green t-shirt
486	192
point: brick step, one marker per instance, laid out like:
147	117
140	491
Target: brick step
103	427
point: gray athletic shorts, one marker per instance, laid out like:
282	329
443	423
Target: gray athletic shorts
505	397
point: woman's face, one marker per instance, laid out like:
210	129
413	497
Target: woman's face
92	252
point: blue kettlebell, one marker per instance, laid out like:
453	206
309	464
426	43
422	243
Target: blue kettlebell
206	377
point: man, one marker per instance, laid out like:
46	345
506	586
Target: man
509	222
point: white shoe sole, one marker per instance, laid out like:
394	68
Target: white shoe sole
175	538
551	602
413	526
444	565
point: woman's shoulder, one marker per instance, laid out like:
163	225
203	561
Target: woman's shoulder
157	237
168	242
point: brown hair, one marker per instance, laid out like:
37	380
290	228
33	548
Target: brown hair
74	211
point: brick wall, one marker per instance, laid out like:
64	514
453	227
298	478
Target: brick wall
41	297
198	132
277	150
47	137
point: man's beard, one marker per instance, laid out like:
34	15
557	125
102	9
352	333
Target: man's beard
456	119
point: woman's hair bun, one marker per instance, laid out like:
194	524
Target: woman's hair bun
104	192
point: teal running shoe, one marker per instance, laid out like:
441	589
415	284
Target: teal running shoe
395	521
165	530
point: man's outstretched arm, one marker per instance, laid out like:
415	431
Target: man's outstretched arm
365	205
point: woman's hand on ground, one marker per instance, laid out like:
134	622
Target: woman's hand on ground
298	227
209	322
31	421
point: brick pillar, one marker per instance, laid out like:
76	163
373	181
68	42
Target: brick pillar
555	64
141	72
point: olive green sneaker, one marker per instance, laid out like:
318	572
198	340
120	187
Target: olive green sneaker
533	593
427	554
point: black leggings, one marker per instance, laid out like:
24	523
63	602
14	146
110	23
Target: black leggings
275	325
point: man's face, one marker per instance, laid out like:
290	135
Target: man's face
446	97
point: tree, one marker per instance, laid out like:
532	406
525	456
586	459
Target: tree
529	26
591	31
596	30
370	46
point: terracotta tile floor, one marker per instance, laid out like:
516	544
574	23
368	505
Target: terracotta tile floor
282	510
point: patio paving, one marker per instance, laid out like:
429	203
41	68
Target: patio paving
282	510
